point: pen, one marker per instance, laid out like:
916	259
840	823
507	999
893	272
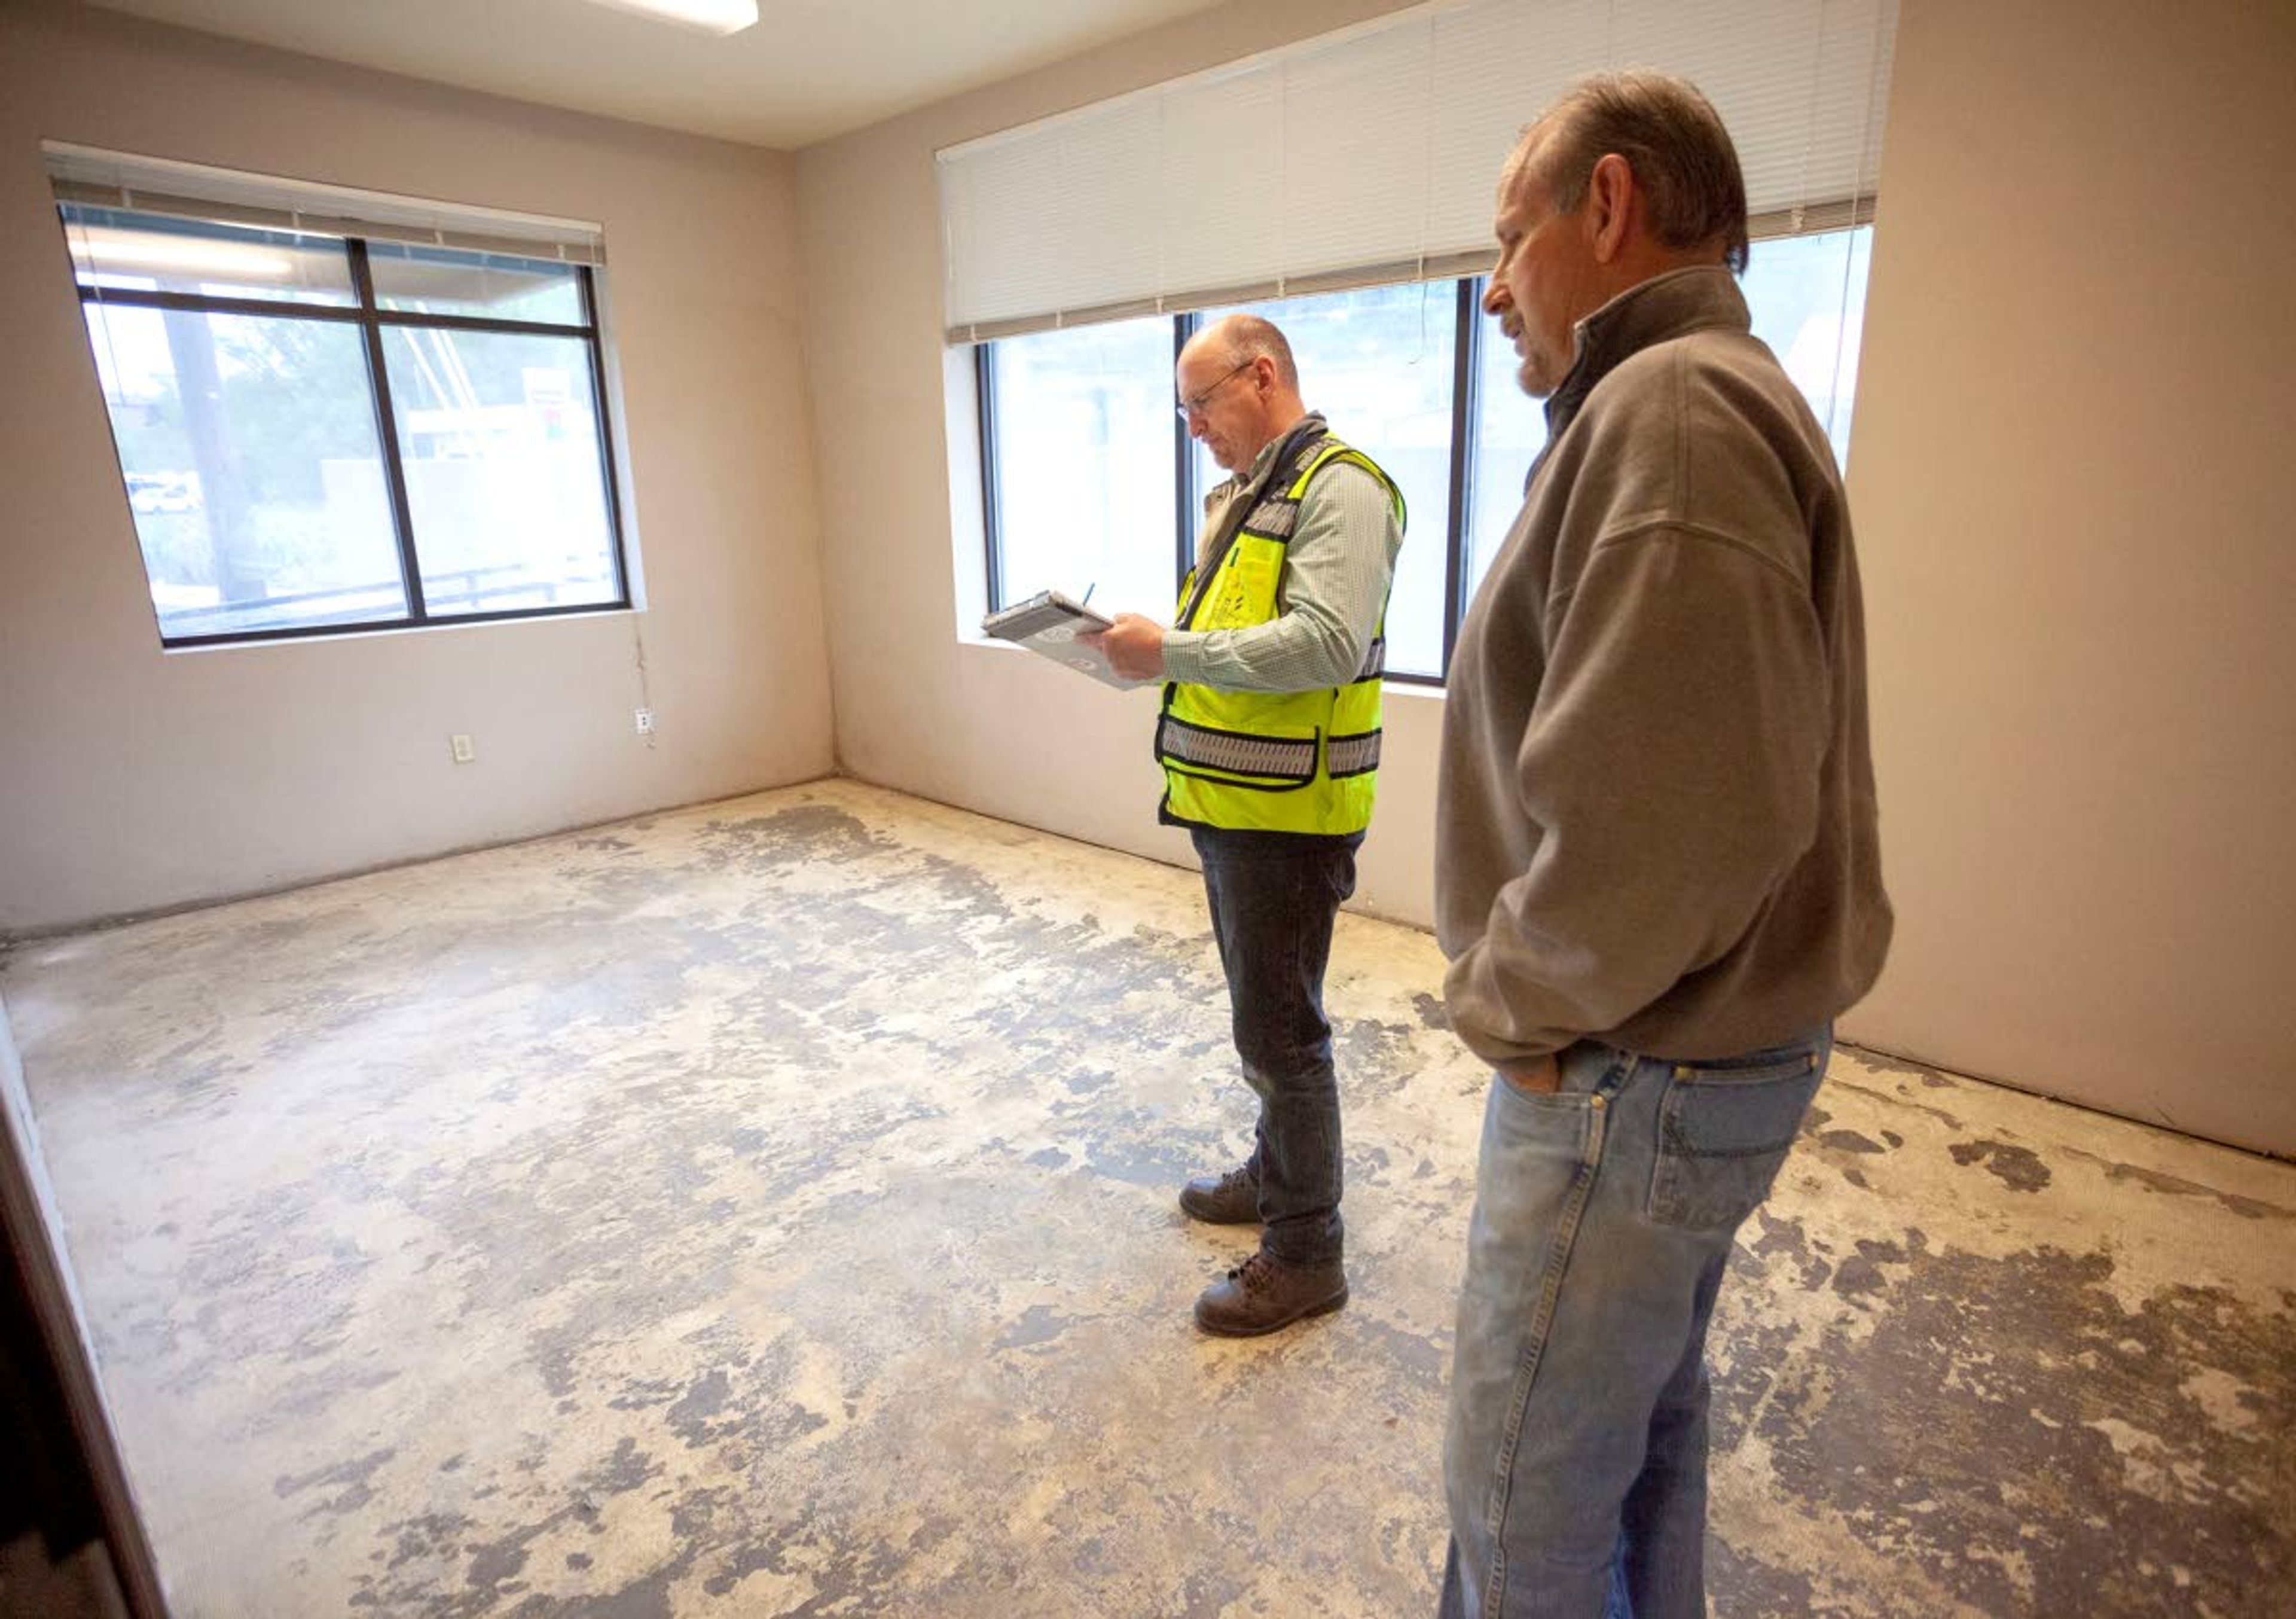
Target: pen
1087	600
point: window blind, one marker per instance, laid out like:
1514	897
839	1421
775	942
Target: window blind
1372	154
195	191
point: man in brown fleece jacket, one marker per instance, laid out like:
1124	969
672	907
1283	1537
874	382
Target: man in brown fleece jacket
1657	872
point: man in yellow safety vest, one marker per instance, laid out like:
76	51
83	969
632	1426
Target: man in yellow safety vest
1269	737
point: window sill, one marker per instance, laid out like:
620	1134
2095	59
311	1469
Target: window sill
326	637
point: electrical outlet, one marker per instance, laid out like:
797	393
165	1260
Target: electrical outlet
465	750
645	722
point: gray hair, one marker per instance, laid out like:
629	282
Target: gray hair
1245	337
1671	137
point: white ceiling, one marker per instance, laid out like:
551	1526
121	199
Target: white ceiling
811	69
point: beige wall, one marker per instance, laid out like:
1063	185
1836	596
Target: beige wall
2086	697
2070	484
131	779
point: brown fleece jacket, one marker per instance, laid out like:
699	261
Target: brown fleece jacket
1656	824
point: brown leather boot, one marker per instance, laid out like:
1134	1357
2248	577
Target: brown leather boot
1232	1199
1263	1293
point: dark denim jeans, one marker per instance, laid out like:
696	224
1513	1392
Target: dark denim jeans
1575	1461
1274	896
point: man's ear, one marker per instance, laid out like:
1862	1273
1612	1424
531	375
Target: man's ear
1609	205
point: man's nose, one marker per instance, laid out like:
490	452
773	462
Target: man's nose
1495	297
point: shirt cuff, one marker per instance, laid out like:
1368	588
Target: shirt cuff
1183	656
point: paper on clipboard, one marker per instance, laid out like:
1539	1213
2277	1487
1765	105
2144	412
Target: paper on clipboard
1048	624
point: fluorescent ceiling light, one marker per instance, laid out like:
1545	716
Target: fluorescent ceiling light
720	17
98	250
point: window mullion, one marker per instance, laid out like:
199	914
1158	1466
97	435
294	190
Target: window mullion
478	323
394	471
1464	413
609	479
984	383
202	303
1189	497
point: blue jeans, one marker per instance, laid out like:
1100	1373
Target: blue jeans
1274	897
1575	1461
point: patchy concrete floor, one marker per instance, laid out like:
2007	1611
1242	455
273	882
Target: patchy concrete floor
766	1209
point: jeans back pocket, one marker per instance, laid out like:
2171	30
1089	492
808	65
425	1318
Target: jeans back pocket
1724	1129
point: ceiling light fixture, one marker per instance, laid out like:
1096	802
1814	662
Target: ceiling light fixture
719	17
98	250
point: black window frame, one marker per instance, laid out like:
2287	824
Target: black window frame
372	320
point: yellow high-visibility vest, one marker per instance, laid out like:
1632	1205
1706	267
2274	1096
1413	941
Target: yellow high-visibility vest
1272	762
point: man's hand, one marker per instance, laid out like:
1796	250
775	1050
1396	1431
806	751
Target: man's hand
1134	645
1540	1076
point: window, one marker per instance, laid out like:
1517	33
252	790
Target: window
1377	364
1080	470
1078	444
321	434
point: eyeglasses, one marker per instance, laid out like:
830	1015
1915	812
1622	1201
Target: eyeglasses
1194	404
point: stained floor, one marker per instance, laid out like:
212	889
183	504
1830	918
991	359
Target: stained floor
765	1210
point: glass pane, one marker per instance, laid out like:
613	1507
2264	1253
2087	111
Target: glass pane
147	253
491	286
1807	295
1510	431
1377	363
1807	298
1084	436
252	467
498	432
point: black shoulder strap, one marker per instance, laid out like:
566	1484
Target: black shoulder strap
1293	455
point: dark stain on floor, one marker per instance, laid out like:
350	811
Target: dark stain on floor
2019	1168
2070	1461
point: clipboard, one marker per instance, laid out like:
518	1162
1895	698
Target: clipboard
1048	624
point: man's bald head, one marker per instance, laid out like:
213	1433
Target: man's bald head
1238	340
1238	387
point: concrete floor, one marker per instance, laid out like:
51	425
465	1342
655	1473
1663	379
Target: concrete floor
765	1208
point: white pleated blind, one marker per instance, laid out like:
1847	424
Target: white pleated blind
1356	114
1210	203
1373	153
196	190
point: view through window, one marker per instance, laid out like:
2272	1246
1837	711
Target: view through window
1087	487
322	433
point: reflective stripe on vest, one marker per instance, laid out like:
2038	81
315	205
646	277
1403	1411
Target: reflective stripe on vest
1353	756
1283	761
1235	753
